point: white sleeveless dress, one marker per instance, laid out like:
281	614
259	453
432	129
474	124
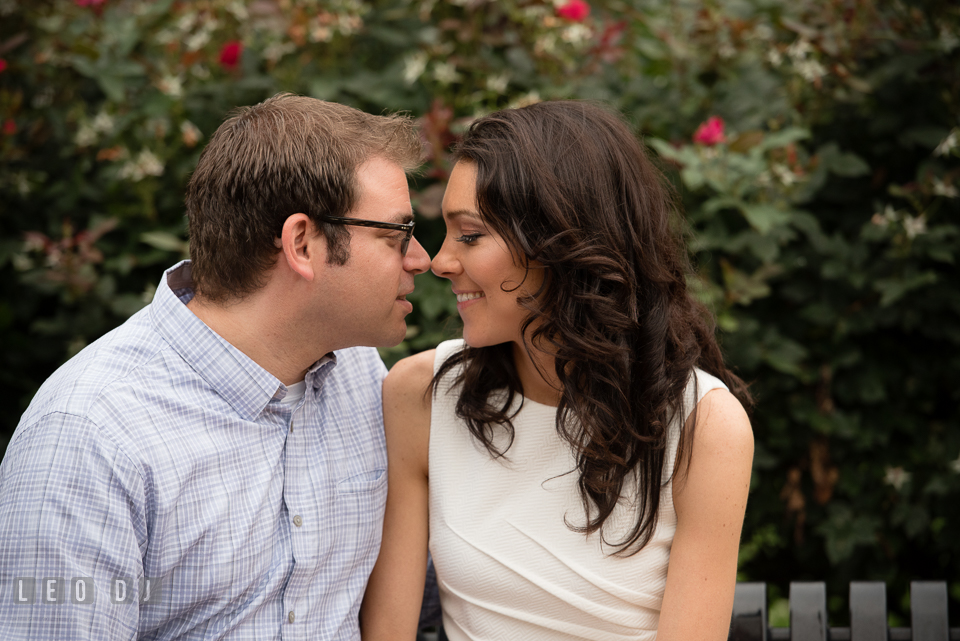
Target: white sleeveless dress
507	565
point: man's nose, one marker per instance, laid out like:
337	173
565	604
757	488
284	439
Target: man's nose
416	260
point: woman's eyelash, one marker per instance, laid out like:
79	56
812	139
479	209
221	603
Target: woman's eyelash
468	238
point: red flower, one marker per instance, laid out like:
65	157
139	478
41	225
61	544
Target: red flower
9	127
710	132
230	54
3	65
575	11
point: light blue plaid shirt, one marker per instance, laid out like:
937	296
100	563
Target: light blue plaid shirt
163	453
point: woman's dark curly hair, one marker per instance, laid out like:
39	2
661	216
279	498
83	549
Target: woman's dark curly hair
568	186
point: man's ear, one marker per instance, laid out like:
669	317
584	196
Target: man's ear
302	245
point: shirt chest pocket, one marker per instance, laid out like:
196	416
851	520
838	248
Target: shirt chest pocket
359	504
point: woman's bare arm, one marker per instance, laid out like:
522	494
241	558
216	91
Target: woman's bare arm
391	605
710	499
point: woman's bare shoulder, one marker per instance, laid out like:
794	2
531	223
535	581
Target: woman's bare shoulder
409	379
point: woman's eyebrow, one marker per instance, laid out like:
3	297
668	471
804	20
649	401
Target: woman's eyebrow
463	213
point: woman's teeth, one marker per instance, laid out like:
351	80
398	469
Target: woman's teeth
462	298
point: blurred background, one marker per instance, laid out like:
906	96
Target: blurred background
816	145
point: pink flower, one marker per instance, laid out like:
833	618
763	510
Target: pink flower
9	127
710	132
230	54
3	65
575	11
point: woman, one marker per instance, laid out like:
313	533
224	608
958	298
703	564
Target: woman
588	468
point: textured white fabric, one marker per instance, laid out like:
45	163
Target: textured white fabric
507	565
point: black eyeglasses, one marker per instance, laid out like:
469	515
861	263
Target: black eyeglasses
379	224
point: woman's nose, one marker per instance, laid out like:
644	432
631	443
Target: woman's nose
444	264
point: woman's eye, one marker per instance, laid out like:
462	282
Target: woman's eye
468	238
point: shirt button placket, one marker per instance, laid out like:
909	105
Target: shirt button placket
297	520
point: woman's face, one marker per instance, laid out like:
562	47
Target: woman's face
480	266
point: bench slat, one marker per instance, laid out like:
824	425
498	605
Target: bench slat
749	622
928	611
868	611
808	611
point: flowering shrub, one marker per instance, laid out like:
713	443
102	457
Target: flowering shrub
575	10
710	132
816	147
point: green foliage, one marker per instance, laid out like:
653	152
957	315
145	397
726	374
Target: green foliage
825	225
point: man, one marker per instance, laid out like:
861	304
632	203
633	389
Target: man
215	467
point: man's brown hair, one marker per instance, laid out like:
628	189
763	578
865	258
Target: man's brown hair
286	155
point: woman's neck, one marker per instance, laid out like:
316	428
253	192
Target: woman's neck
537	375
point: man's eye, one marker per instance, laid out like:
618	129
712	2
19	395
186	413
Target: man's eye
468	238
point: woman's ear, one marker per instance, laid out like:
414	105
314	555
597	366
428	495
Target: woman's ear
302	245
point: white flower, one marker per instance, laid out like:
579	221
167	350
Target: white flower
896	477
22	183
726	50
783	174
190	133
349	24
166	36
799	50
576	34
955	466
171	85
763	32
546	44
527	99
277	50
414	66
86	135
103	123
145	164
498	83
197	40
43	98
320	33
885	218
951	142
940	188
446	72
914	225
186	22
239	10
947	41
774	57
810	70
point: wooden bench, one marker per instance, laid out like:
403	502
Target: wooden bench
868	614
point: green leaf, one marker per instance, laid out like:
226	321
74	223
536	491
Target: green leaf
165	241
846	164
893	289
764	217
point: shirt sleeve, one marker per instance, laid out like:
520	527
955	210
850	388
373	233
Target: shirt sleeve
72	533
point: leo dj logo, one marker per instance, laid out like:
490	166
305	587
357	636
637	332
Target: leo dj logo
83	591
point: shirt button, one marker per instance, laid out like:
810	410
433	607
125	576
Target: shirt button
290	617
297	520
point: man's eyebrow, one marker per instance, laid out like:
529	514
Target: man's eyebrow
402	218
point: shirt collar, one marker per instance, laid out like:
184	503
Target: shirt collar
246	386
